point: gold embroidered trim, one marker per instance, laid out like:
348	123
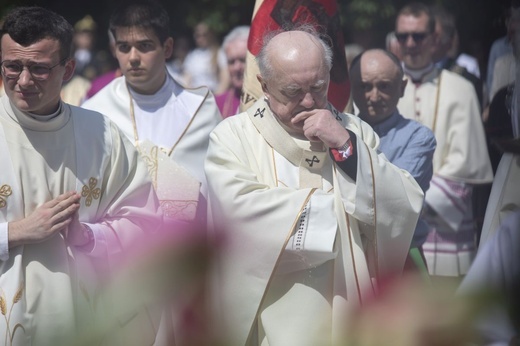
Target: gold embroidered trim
353	257
179	210
275	170
9	334
374	206
91	191
5	191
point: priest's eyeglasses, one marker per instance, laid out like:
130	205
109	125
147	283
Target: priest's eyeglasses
13	69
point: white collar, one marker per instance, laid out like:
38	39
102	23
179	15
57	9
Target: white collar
417	75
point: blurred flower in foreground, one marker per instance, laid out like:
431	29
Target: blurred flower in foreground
163	282
410	313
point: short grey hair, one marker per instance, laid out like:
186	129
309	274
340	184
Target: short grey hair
265	66
238	33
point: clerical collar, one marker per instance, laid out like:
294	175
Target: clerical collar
43	123
160	98
45	117
417	75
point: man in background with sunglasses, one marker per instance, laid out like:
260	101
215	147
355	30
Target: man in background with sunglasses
73	192
447	104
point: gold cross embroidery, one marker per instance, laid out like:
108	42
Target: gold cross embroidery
90	191
5	191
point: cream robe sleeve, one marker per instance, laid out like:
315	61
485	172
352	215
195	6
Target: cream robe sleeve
128	208
461	153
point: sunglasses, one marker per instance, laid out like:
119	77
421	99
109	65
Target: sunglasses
418	37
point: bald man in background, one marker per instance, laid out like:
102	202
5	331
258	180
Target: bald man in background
377	85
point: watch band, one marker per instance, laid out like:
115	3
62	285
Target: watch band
344	152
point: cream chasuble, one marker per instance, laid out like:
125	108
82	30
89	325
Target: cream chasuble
176	164
303	243
48	289
447	104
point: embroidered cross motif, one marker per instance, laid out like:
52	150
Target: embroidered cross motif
90	191
5	191
260	112
312	161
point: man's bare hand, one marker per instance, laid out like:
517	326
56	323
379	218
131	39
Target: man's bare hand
321	125
47	220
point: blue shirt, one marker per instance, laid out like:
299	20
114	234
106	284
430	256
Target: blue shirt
410	146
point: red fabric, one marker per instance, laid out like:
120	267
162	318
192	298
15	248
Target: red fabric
337	156
274	14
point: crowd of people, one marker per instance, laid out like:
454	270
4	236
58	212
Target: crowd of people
142	204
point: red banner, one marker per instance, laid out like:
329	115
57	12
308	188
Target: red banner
272	15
